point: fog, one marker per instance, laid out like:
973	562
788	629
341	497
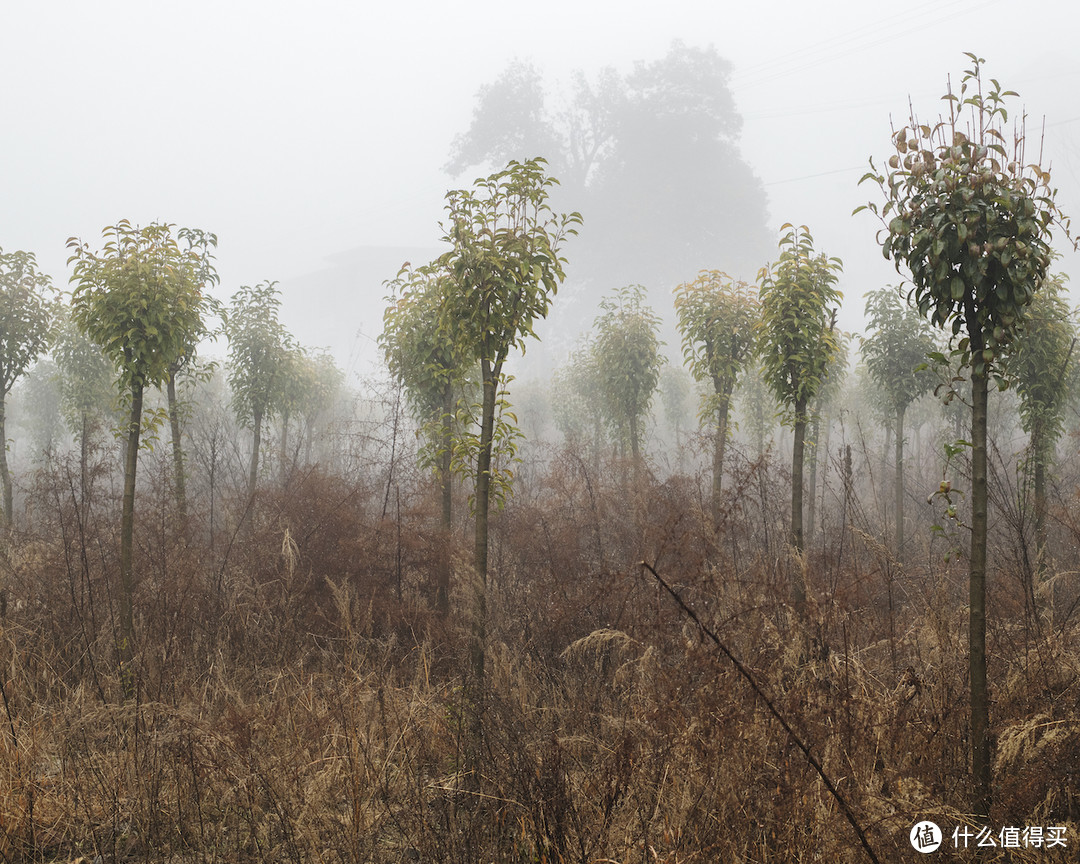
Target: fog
314	141
352	610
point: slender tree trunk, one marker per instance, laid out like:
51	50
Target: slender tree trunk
253	471
597	443
889	445
490	374
849	486
1039	471
84	458
1039	460
5	472
635	447
442	589
899	488
179	480
718	451
759	426
127	535
213	490
980	705
812	447
285	461
798	587
823	481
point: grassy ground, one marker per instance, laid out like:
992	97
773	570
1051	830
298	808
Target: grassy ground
298	700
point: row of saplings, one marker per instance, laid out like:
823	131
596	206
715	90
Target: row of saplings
967	221
963	217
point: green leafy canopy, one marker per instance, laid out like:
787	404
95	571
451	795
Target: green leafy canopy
717	316
140	298
416	341
1043	365
261	353
25	315
502	271
896	347
627	355
968	217
797	336
504	265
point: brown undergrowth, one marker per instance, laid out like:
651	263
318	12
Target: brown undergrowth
299	701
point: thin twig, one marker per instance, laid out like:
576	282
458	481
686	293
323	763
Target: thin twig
742	670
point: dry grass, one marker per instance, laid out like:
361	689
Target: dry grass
298	701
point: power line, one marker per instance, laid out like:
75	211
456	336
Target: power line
812	176
868	36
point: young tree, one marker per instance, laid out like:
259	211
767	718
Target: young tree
87	384
259	352
628	361
25	317
141	300
200	243
895	353
757	405
432	367
717	315
676	388
39	411
503	267
295	380
577	405
323	383
213	432
821	417
1042	363
969	218
797	342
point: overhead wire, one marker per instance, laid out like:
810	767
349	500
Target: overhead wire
853	41
850	42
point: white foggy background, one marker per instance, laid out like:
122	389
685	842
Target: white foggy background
306	135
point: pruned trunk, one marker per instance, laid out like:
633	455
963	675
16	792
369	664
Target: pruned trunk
477	652
1039	472
84	459
253	471
179	481
309	438
980	705
446	477
899	488
889	445
285	460
598	443
718	452
759	426
5	472
213	490
823	480
811	504
127	536
847	477
798	587
1038	469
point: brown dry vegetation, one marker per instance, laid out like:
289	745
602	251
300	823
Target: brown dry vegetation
298	701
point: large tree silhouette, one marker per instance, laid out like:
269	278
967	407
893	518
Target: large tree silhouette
650	157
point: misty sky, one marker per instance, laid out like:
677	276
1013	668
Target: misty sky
299	132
